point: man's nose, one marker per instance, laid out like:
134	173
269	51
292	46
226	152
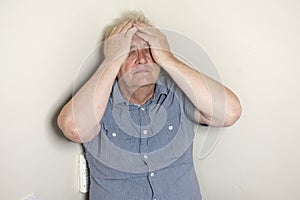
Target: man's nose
141	57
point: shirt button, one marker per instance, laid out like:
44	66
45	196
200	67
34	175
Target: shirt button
145	156
170	127
152	174
143	108
145	132
114	134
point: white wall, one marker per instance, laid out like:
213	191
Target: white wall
254	45
42	44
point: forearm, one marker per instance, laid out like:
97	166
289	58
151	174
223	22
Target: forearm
79	119
217	104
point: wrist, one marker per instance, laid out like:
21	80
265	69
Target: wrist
168	60
116	63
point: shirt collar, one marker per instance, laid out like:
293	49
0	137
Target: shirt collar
117	97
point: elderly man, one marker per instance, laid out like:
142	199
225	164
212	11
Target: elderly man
135	116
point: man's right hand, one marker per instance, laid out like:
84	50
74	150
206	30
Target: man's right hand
117	44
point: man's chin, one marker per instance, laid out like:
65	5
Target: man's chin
143	83
138	80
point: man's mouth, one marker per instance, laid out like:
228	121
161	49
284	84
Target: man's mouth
141	69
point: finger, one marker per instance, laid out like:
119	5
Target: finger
122	26
130	32
141	25
149	30
112	32
153	42
126	27
144	36
144	24
116	28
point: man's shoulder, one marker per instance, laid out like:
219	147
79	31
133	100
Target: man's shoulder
165	80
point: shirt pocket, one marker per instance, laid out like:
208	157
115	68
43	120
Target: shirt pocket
166	134
121	139
172	126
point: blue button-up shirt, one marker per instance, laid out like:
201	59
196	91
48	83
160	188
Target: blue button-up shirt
144	152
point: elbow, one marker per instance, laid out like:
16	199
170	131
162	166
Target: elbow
67	126
233	113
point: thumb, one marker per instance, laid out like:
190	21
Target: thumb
130	32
